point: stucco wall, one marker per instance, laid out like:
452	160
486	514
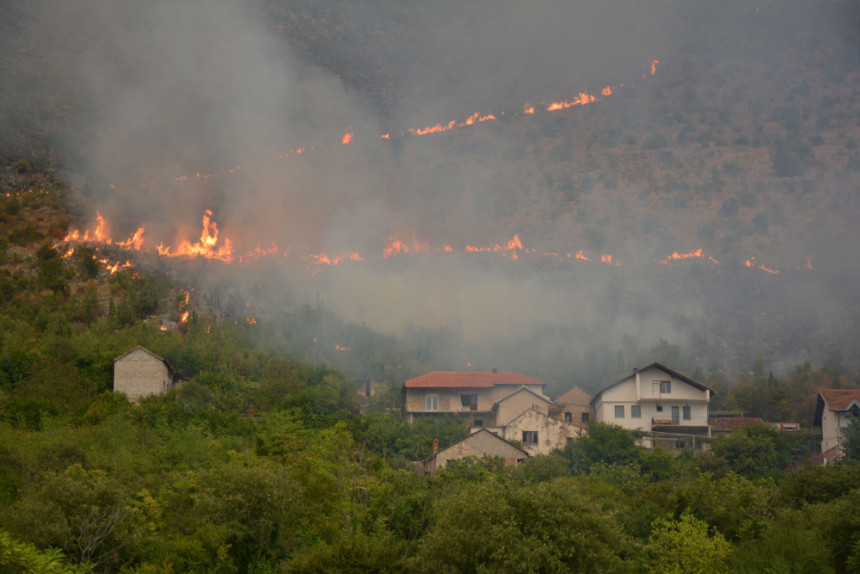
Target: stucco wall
830	429
552	433
450	402
514	405
139	374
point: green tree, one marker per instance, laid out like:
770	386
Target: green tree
497	526
684	546
606	443
754	450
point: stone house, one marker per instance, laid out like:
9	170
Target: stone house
481	444
523	415
140	373
540	433
834	410
574	406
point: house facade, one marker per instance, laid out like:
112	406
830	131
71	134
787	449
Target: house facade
834	410
141	373
481	444
474	396
655	399
574	407
539	433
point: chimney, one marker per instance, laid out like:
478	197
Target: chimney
435	445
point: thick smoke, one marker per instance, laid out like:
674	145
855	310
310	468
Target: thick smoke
156	93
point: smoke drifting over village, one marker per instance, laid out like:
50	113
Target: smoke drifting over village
737	145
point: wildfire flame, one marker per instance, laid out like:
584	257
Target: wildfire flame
697	254
206	247
347	137
582	99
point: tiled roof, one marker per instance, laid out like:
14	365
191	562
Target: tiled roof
732	423
469	379
574	396
840	399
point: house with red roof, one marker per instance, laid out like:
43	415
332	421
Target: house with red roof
472	395
834	410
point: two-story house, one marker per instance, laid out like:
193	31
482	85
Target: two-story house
834	410
655	399
471	395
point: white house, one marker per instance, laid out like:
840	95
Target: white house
655	399
140	372
833	412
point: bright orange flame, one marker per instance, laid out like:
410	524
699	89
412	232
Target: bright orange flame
341	348
579	255
607	91
528	109
581	100
606	259
347	137
394	246
386	136
206	247
675	255
654	66
134	242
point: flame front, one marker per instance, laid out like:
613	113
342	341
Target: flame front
206	247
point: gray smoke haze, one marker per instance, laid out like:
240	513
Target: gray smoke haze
155	91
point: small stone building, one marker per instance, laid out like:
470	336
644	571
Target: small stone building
140	373
574	406
478	445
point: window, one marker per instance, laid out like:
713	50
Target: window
686	413
530	437
469	401
659	408
431	402
619	411
568	417
585	417
478	423
665	386
635	412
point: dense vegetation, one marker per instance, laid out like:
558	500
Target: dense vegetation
266	459
258	462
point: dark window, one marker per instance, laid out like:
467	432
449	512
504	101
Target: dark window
619	411
665	386
686	413
585	417
470	401
635	412
479	423
568	417
530	437
659	408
